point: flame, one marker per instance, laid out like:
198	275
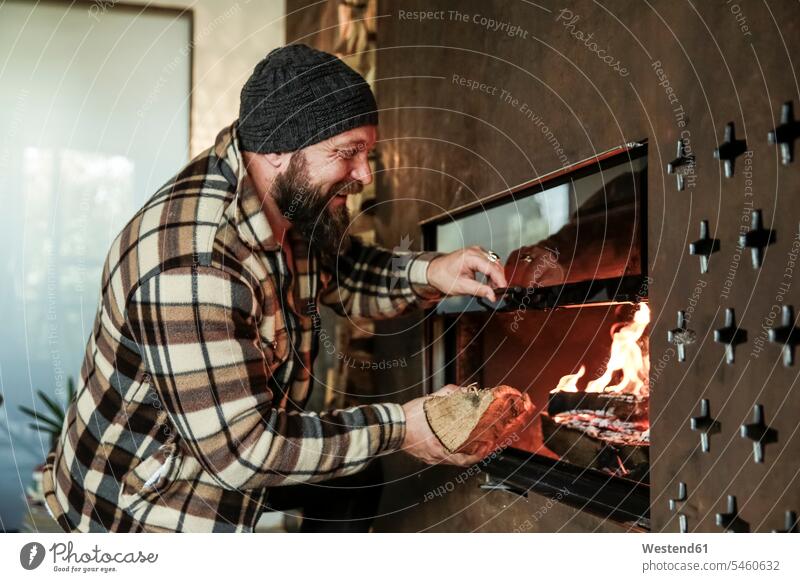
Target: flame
569	383
626	357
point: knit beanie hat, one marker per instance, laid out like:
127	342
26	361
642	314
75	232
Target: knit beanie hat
298	96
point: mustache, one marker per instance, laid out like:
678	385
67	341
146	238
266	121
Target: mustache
346	188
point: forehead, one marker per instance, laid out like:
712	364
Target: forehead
365	134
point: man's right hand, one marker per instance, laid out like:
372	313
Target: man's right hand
420	442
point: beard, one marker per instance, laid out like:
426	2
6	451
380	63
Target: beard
308	209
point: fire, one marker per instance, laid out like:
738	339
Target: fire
569	383
626	358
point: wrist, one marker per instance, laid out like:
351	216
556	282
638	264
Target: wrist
419	276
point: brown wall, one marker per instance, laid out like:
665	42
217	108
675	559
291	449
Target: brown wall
311	22
443	145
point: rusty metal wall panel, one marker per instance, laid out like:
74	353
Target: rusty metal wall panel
720	73
548	100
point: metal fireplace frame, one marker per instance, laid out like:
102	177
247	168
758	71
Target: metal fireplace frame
513	469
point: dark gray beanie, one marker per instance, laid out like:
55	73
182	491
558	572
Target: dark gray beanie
298	96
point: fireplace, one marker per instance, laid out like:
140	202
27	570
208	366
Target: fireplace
571	329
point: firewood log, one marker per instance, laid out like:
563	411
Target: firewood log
474	421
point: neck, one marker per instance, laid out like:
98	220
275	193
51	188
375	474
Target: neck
279	224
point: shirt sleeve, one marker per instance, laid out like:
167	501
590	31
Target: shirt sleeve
197	328
372	282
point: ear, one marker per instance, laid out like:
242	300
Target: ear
276	160
264	162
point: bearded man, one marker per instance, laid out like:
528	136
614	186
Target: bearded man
190	407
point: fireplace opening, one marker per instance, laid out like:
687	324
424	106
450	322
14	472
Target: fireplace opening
571	329
585	369
603	422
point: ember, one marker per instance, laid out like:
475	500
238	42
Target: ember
606	426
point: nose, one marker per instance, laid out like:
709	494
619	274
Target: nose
361	170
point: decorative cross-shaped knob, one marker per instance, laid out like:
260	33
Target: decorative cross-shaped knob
758	432
730	521
785	134
756	238
730	149
787	335
705	246
730	335
705	424
676	505
790	524
682	165
681	336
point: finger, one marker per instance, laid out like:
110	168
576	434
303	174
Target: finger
467	286
478	261
463	460
497	274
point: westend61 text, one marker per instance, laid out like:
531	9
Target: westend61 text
675	549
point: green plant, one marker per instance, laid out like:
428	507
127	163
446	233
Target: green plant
50	423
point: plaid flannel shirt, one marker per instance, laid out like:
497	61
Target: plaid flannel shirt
190	402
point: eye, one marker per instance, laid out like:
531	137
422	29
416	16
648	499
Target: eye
348	154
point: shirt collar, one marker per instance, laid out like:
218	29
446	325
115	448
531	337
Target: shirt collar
246	212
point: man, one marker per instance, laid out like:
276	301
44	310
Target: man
190	405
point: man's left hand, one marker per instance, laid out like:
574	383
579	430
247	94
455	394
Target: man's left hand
454	273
